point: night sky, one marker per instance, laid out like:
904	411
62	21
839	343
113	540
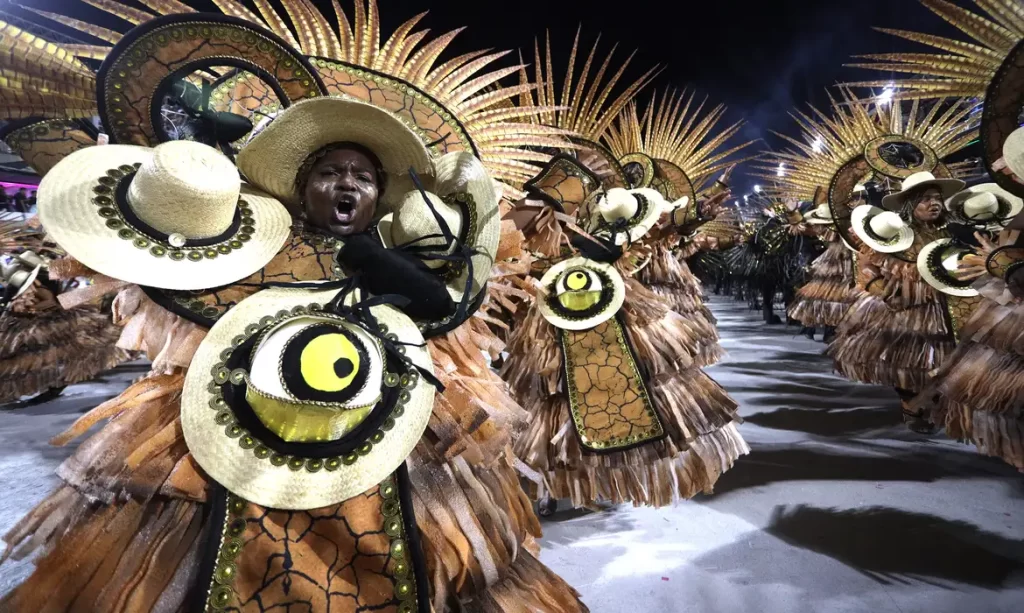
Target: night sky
761	58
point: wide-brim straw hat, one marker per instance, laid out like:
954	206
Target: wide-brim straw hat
1008	205
249	467
819	215
463	182
274	155
948	187
566	277
646	206
860	220
937	260
23	279
1013	152
176	216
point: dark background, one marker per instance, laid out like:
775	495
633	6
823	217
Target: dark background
761	58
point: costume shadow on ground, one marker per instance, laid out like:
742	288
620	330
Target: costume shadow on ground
889	546
826	422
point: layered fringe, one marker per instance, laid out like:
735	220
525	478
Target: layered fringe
898	342
54	348
134	480
698	415
982	383
827	296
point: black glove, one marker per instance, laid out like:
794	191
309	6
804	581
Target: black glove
393	271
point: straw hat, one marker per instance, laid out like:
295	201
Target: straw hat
948	187
464	197
20	278
883	231
172	217
1013	152
641	209
581	294
820	215
294	408
938	260
274	155
986	205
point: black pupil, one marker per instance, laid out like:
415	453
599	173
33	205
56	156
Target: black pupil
343	367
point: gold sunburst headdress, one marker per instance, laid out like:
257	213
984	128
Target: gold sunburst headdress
678	146
456	104
860	139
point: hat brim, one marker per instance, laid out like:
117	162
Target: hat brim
618	294
27	285
70	217
859	219
642	224
924	267
272	158
948	187
1016	205
258	479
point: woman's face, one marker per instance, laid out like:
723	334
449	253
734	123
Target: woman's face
341	192
928	207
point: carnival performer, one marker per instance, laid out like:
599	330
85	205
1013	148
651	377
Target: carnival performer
824	299
898	332
620	409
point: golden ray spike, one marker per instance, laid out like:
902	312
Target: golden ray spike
439	76
104	34
359	30
168	7
345	35
462	73
236	9
12	79
469	88
275	23
401	56
372	42
129	14
326	40
300	21
396	49
568	100
988	33
1009	13
32	55
419	65
92	52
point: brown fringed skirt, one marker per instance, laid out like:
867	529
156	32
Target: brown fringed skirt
830	291
669	277
698	416
981	384
127	530
55	348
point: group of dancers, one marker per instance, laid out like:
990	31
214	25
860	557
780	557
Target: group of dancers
391	301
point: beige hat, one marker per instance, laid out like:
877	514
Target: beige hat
640	208
464	197
820	215
172	217
274	155
293	407
938	260
20	278
948	187
883	231
1013	152
581	293
987	205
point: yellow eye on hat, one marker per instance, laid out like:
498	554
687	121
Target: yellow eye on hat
581	293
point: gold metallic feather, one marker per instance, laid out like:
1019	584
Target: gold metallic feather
669	130
963	68
831	139
92	30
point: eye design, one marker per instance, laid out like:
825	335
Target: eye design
578	289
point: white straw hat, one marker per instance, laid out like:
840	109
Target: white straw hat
1013	152
640	208
986	205
883	231
22	279
581	293
273	157
268	413
821	214
464	197
948	187
938	260
176	216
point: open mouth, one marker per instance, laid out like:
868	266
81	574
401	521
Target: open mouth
344	210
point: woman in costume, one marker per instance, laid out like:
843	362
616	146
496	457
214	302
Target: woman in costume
824	299
471	514
621	410
899	331
43	347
